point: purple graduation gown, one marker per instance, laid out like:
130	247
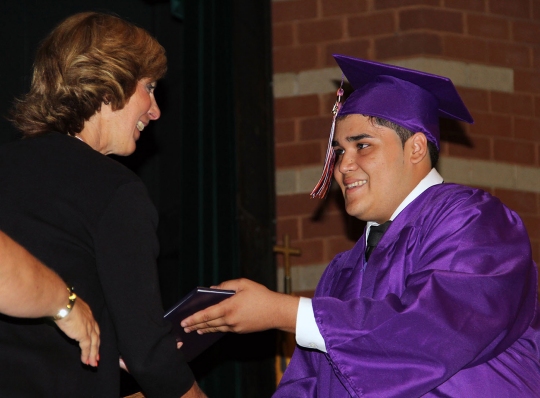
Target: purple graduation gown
446	307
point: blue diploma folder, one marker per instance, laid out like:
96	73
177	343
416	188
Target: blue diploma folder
198	299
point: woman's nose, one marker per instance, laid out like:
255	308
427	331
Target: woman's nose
154	113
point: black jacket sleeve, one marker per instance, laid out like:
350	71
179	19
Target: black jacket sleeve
126	249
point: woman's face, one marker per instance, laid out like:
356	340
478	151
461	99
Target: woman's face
119	130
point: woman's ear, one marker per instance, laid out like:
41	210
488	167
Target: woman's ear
418	149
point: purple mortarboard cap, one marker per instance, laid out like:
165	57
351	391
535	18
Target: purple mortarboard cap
410	98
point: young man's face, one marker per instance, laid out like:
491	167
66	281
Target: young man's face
371	168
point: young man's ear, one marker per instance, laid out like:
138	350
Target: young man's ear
419	149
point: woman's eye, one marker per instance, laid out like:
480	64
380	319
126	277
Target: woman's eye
338	151
151	87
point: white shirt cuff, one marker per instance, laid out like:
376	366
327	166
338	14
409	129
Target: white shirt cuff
307	331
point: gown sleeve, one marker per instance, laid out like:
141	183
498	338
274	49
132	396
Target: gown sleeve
302	378
466	293
126	251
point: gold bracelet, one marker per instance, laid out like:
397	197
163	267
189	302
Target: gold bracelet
65	311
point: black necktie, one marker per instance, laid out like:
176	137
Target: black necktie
375	234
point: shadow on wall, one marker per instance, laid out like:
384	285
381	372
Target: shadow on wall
452	131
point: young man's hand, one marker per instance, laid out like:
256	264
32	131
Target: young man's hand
253	308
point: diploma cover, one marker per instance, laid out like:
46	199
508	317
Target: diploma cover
198	299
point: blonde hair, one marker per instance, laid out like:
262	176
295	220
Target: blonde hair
88	59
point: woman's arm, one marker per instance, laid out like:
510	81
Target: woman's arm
29	289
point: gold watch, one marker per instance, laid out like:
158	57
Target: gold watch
67	309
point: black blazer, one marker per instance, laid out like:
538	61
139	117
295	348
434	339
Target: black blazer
90	219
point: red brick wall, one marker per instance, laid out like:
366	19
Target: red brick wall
503	33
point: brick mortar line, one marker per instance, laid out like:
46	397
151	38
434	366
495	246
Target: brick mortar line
463	74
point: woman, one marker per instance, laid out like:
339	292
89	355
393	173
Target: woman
86	215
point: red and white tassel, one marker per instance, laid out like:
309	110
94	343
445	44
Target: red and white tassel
325	181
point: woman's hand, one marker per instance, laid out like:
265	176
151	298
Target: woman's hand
194	392
81	326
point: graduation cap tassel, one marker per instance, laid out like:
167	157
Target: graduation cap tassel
325	181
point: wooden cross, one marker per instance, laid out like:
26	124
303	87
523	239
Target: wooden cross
287	252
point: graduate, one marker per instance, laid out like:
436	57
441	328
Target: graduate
444	304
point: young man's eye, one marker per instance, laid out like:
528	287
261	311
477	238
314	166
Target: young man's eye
362	146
